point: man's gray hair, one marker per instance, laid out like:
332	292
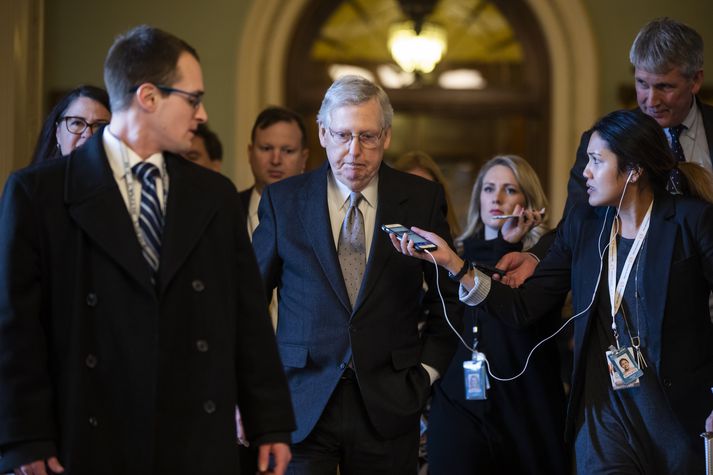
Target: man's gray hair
663	44
354	90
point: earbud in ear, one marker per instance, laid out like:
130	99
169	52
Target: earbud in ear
628	179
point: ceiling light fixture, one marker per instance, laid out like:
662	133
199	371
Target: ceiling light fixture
417	51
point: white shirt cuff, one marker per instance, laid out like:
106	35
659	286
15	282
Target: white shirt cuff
478	293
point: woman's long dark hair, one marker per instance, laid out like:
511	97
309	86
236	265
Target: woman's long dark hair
638	142
46	147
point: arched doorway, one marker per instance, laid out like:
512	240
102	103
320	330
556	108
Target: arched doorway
264	47
461	128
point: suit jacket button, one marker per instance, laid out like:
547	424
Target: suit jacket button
91	361
209	406
342	366
667	382
202	346
198	285
93	421
92	299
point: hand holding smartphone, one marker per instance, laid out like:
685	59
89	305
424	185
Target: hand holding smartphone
420	243
489	270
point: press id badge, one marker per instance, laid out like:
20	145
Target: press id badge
623	369
475	377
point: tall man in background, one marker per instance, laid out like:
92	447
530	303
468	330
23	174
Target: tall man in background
358	370
131	316
667	57
278	150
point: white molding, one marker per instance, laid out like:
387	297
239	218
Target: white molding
574	89
21	49
260	70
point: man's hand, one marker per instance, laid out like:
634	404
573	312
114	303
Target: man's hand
38	467
709	423
518	266
281	454
514	229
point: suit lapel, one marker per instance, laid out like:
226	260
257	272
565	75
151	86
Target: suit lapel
95	204
188	212
390	209
657	269
707	115
314	214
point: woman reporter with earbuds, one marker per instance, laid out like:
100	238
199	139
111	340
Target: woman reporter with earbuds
639	262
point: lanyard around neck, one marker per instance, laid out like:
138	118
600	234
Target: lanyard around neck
616	290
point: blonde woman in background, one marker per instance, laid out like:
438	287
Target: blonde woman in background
519	427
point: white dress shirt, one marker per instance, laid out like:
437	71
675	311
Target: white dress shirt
253	219
338	204
119	155
693	139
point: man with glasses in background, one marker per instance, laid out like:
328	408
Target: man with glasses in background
358	370
132	320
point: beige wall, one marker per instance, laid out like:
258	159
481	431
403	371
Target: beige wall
21	30
78	33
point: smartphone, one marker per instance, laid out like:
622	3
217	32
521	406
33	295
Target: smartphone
508	216
420	243
489	270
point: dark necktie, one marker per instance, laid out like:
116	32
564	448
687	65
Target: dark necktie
675	133
150	215
351	247
675	184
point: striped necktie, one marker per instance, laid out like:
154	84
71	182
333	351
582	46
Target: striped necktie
150	215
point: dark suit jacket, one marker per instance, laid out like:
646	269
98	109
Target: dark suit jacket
678	279
318	332
576	187
111	373
245	198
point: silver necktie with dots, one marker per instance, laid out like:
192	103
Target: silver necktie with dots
351	247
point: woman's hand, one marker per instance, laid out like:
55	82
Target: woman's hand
444	255
514	229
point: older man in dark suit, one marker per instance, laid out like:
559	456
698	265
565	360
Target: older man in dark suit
131	316
358	368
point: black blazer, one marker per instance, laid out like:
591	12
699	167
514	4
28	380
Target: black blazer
678	280
318	332
245	198
577	188
115	375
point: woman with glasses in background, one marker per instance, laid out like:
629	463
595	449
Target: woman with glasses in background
75	118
